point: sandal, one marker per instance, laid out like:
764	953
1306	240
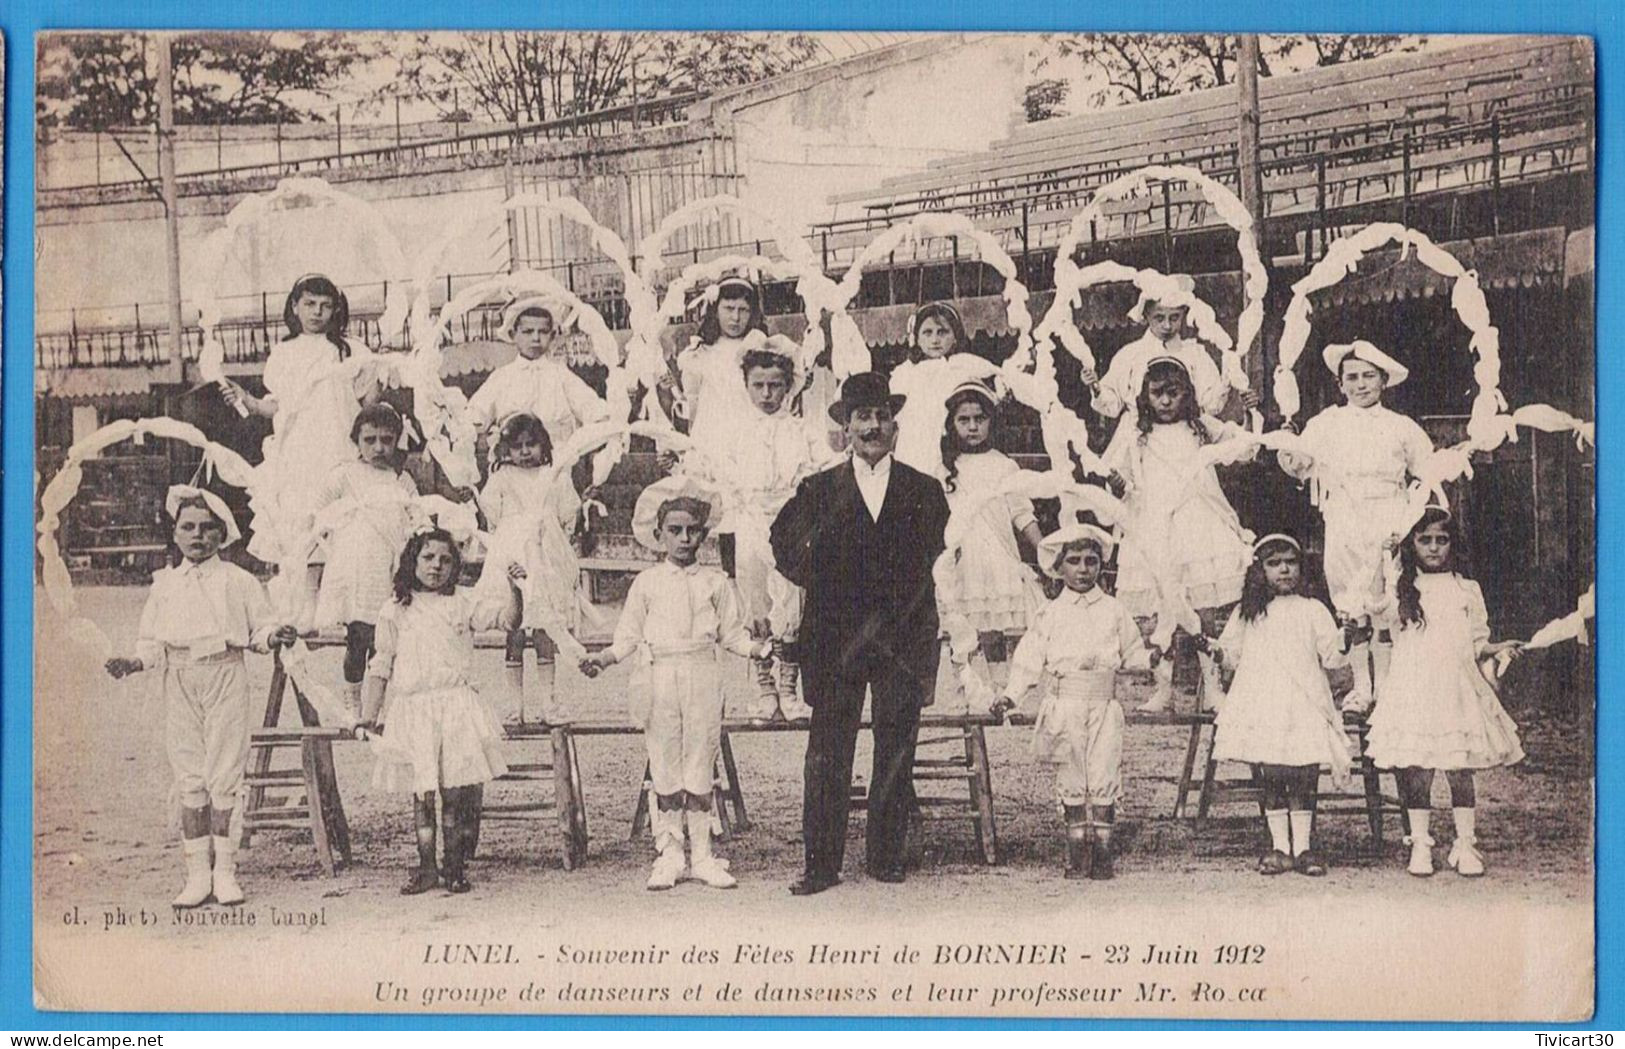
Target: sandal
1275	862
422	880
1310	863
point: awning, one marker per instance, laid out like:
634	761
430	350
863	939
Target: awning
1513	260
103	384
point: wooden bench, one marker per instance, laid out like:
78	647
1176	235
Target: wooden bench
314	805
963	732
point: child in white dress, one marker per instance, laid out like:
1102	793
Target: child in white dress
710	397
1164	309
437	736
1081	639
200	616
366	509
1181	521
514	499
995	593
769	455
535	382
939	360
1278	715
1436	710
677	615
312	396
1360	456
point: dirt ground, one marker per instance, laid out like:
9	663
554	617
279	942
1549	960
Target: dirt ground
103	840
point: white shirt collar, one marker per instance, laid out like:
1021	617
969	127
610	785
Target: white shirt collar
880	469
190	567
1087	597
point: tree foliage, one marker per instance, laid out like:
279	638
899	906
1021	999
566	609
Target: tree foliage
107	80
516	77
1121	68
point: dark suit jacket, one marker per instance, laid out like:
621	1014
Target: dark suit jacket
871	604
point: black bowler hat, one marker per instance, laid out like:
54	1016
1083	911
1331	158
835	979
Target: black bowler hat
865	390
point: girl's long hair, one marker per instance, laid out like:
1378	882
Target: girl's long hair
950	437
1256	592
521	425
316	284
947	315
711	328
1410	597
1191	413
406	576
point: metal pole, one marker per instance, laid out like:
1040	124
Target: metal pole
397	124
456	122
338	119
219	150
635	122
166	173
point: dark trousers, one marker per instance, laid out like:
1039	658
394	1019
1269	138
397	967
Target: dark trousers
832	741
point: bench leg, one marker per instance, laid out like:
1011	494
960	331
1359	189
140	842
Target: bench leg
981	790
565	800
313	804
260	762
1373	803
1205	799
733	792
332	804
640	810
1187	771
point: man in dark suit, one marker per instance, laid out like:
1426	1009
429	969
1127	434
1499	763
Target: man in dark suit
861	538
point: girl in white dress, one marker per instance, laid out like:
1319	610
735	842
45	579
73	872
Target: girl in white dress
939	360
710	395
996	593
1436	710
1360	456
439	737
1181	520
312	395
1278	715
513	500
365	508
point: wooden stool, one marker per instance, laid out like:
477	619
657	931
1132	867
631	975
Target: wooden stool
727	799
971	768
319	810
1369	801
557	766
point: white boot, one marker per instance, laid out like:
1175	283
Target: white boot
1421	845
226	890
1212	689
1359	699
703	866
1464	855
668	833
1162	697
197	888
547	694
791	704
766	702
352	700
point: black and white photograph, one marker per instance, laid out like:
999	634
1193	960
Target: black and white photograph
1028	526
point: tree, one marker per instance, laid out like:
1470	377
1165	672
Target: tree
1138	67
107	80
1043	99
517	77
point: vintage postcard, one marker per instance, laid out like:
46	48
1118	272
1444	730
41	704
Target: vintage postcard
953	525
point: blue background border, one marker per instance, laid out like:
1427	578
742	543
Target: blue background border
21	19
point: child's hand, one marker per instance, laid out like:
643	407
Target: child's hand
121	666
365	730
1090	377
1001	706
1393	543
1116	483
1157	656
284	635
1201	643
1250	399
516	571
1512	649
590	666
667	461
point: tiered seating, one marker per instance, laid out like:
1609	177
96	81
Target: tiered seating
1331	138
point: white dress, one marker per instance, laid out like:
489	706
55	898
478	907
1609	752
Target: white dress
1178	514
514	500
1435	709
927	385
545	388
1361	459
317	398
714	393
996	591
1279	708
1120	386
367	515
438	731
